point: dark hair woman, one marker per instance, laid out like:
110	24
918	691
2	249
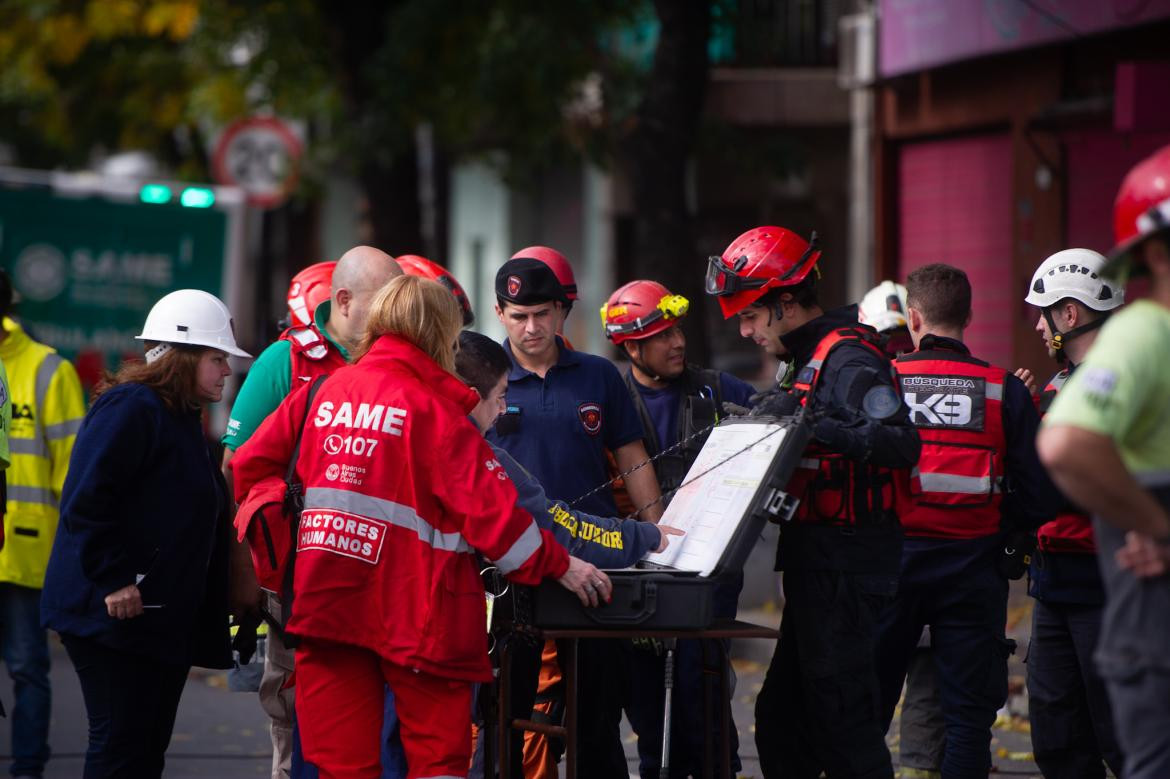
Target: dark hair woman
136	583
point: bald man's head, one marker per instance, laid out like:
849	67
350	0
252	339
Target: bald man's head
360	273
363	268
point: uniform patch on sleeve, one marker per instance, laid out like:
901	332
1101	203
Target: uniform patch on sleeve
1098	381
881	402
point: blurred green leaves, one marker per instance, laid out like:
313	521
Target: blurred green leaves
539	81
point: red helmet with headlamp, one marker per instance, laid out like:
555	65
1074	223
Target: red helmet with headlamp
641	309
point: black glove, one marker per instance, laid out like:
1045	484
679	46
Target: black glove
839	437
1016	557
774	403
735	410
244	642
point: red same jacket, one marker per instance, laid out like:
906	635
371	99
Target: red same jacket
400	491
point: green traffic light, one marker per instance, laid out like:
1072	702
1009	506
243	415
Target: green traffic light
155	193
197	197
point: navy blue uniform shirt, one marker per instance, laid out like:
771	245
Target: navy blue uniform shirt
662	404
559	427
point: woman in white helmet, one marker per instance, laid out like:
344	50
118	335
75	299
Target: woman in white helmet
136	583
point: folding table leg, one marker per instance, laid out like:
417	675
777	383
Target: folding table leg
668	681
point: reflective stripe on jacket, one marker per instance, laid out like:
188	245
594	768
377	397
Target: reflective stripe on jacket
1070	531
47	409
832	488
400	491
956	402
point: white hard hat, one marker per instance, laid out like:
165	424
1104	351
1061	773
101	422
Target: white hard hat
883	307
1076	274
192	317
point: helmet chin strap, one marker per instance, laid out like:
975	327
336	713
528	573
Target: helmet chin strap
1059	339
641	366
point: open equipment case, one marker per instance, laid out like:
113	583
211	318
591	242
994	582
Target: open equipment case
654	596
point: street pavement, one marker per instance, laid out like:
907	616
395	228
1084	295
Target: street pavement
221	734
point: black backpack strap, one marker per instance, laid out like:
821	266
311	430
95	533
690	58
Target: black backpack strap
294	503
290	474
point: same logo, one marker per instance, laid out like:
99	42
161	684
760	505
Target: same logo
513	286
332	472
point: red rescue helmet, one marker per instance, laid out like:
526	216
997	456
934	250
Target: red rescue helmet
307	290
1141	210
761	259
559	265
641	309
421	266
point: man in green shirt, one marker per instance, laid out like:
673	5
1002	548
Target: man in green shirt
297	357
1106	441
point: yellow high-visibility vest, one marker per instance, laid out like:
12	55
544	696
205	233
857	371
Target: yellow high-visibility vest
47	409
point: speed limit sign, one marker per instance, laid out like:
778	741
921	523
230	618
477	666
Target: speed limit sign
260	155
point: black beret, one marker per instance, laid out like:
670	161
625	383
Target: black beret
528	282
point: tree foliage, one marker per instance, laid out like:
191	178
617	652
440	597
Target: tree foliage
541	82
158	75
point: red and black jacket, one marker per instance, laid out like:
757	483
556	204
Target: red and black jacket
846	519
956	402
832	487
1070	531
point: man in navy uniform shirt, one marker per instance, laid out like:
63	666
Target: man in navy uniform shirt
564	410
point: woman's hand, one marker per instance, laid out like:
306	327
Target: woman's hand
667	531
590	584
244	594
124	603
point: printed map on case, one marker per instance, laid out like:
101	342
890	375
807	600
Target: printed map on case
711	508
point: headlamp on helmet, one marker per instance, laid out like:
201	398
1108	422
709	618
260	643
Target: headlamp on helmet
641	309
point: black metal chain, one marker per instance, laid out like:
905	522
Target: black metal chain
643	464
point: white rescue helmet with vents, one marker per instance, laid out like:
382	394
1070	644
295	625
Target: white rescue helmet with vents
191	317
883	307
1076	274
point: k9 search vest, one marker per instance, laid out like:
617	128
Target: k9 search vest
956	402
